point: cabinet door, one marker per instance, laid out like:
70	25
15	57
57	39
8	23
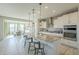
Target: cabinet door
61	21
65	19
73	17
57	23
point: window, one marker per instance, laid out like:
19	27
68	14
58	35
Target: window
12	28
21	27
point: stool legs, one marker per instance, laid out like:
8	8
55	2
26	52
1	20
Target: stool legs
25	43
37	51
28	48
43	52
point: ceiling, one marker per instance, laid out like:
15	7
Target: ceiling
23	10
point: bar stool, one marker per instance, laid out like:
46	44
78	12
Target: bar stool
31	44
25	38
39	49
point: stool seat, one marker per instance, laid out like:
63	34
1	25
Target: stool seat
31	45
36	47
39	49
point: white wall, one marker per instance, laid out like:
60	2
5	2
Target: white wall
1	28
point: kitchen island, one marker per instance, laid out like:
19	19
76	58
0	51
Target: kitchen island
50	36
49	46
58	48
54	45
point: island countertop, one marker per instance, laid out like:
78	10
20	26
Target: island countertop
54	34
49	43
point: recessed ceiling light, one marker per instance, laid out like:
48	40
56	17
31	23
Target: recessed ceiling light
46	7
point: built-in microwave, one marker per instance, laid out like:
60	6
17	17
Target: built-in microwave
70	27
70	32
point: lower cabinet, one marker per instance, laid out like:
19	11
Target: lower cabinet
60	49
50	50
63	49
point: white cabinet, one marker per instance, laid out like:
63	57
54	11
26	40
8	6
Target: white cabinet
67	19
61	21
73	18
56	23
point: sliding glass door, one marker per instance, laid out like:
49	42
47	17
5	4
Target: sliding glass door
12	28
21	28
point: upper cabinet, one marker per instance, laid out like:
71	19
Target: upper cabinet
56	22
73	18
66	19
61	21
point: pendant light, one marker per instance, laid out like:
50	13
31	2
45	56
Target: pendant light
33	25
29	24
29	18
40	4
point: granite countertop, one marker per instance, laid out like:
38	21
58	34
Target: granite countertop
53	30
54	34
49	43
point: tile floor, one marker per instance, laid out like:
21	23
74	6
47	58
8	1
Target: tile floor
15	46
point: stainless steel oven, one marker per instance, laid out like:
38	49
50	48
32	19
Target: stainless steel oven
70	32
